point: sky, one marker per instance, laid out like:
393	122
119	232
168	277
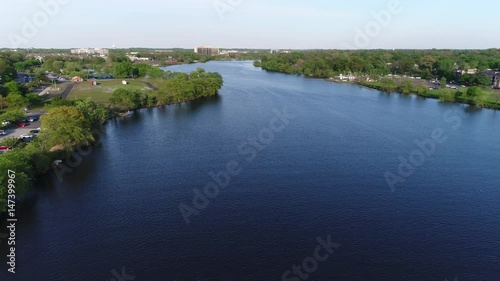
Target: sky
258	24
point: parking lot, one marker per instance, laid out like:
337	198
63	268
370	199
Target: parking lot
16	132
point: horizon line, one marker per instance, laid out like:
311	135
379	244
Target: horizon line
247	48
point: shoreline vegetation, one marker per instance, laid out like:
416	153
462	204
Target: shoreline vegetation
70	125
455	76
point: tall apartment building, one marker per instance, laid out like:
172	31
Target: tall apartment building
207	50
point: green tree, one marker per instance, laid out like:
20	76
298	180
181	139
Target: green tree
123	69
26	65
13	115
443	82
34	100
13	88
126	99
16	101
65	126
420	88
59	101
57	66
95	113
3	102
387	84
19	162
479	101
406	87
447	95
482	80
473	92
444	68
9	141
22	181
40	77
427	63
7	71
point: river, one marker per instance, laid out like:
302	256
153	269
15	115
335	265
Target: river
405	188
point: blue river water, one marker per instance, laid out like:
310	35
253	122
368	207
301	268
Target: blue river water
278	178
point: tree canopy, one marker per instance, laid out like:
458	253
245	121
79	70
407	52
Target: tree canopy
66	126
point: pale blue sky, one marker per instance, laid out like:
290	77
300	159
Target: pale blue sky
281	24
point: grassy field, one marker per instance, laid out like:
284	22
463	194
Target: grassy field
157	82
104	89
493	95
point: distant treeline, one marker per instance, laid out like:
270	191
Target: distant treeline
422	63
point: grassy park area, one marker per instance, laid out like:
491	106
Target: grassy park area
104	89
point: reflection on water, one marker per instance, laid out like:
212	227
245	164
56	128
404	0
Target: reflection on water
196	104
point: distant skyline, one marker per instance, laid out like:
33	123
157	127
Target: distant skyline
254	24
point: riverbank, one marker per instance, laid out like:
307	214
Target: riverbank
74	125
443	74
33	164
445	95
481	99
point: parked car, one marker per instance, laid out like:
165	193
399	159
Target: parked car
32	119
22	125
35	131
4	147
5	123
3	133
27	138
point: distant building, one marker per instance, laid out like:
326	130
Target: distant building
276	51
77	79
491	73
90	51
472	71
230	52
207	50
496	81
135	56
24	78
348	77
